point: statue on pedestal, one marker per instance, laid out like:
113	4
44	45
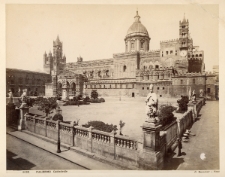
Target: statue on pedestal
24	99
193	96
201	93
151	106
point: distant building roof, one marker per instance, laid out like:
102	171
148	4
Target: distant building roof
22	70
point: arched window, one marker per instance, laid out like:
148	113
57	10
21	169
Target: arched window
132	45
73	88
200	55
144	67
196	55
124	68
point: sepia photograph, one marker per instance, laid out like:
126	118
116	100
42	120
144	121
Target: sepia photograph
112	87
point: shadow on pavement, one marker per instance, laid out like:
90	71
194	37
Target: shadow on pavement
172	162
16	163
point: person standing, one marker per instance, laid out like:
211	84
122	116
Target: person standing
179	146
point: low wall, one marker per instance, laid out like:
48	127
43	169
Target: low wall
183	122
112	147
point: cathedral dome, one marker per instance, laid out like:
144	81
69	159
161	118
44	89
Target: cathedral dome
137	29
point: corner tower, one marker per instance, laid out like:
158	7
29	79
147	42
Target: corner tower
137	38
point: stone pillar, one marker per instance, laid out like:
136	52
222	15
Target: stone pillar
138	45
112	142
129	46
54	85
90	136
24	109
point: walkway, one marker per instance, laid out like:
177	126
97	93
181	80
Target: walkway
25	151
24	156
205	142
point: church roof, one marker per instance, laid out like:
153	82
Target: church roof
137	28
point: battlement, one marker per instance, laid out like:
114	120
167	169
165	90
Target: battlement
209	73
168	41
200	59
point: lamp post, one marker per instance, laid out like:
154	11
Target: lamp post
59	115
58	142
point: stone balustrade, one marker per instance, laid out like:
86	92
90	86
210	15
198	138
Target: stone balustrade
110	146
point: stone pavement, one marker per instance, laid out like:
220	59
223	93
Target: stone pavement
24	156
205	142
66	154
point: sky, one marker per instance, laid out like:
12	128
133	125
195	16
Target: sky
98	31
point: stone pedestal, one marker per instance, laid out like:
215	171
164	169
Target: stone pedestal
194	109
10	113
151	136
154	147
24	109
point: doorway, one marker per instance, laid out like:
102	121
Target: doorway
133	94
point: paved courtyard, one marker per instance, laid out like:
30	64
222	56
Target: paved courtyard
129	110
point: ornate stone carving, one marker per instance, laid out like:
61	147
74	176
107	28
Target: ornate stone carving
151	106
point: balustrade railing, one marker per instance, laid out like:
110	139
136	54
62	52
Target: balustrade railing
100	136
80	131
124	142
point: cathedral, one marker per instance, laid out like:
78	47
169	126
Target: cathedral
174	69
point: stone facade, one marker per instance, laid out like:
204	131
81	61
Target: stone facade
130	73
34	82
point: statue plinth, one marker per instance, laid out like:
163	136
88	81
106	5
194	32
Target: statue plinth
24	109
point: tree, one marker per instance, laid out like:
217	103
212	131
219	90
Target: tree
94	94
46	104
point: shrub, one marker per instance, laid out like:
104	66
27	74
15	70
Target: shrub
166	114
95	100
183	104
94	94
99	125
102	100
87	99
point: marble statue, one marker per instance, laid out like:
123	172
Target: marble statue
201	93
24	99
189	94
10	97
193	96
151	105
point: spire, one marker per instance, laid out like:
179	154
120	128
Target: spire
184	20
137	17
57	39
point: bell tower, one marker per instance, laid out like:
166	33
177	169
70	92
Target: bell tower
58	59
185	41
183	34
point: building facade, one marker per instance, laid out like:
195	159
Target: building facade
34	82
173	69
